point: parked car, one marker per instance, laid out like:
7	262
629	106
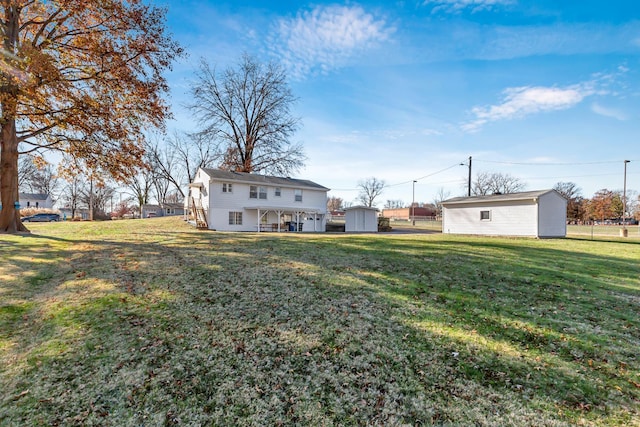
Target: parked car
42	217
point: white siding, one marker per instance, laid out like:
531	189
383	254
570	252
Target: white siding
360	220
219	204
552	215
27	202
519	218
201	195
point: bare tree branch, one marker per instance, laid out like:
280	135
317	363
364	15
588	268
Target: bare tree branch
370	189
246	111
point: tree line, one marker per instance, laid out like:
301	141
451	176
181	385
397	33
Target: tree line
604	205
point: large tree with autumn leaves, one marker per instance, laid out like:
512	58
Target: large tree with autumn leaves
81	76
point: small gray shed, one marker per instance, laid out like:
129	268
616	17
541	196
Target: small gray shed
361	219
531	213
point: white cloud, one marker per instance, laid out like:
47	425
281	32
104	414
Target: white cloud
608	112
522	101
519	102
455	6
326	37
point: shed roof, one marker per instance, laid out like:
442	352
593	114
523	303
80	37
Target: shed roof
369	208
252	178
524	195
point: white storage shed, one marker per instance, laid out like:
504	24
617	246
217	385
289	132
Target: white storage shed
361	219
539	214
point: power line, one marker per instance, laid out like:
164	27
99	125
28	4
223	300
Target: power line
428	175
551	163
463	162
573	176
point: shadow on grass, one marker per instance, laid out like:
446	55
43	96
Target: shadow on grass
225	328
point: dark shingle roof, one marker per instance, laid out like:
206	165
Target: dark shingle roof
524	195
252	178
33	196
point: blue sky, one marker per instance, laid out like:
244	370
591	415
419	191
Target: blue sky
546	91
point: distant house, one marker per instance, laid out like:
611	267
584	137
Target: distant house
238	201
164	209
531	213
35	200
361	219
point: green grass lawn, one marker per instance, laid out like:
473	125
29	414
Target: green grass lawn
150	322
633	232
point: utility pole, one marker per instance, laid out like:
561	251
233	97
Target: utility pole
91	198
624	201
413	203
469	183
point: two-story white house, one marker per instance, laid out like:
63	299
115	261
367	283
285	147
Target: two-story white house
238	201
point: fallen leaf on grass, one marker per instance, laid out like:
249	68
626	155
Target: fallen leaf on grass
22	394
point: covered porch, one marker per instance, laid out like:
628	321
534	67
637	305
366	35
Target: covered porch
279	219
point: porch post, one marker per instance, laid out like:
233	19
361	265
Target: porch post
259	217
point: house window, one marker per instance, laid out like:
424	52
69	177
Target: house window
171	211
278	192
28	203
227	187
298	195
485	215
262	193
235	218
253	192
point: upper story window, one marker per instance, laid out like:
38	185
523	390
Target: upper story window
227	187
297	195
256	192
278	192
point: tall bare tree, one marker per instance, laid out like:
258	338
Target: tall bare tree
81	76
440	197
36	175
96	195
175	161
27	171
394	204
573	194
72	193
495	183
192	152
140	186
246	110
334	203
370	189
